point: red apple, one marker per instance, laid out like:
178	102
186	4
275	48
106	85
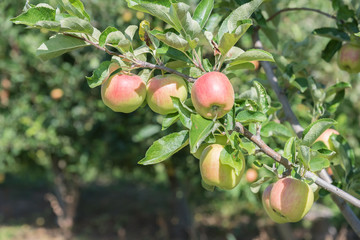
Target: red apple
123	93
212	95
349	58
160	89
325	138
291	198
276	217
214	173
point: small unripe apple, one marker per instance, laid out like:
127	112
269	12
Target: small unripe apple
251	175
276	217
160	89
214	173
325	138
291	198
219	139
123	93
349	58
212	95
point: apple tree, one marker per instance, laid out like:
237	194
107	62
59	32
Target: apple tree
184	73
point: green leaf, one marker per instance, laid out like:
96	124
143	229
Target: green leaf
35	14
76	25
104	34
290	149
171	39
318	163
157	8
99	75
74	8
184	112
305	155
252	55
337	87
130	31
345	155
233	158
49	25
203	11
255	186
332	33
263	97
232	21
314	130
248	116
331	48
165	147
169	120
58	45
275	129
249	146
272	34
201	128
229	39
172	53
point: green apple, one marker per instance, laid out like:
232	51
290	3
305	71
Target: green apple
291	198
349	58
212	95
214	173
123	93
276	217
161	88
219	139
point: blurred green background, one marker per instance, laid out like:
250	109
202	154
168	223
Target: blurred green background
60	145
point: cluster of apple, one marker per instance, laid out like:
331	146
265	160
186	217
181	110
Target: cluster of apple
349	58
212	95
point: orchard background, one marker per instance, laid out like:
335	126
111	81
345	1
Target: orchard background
69	164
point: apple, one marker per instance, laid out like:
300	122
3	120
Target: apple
219	139
256	64
349	58
251	175
276	217
123	93
325	138
56	93
160	89
214	173
291	198
212	95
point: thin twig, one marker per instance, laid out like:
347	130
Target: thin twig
288	165
346	211
138	63
300	9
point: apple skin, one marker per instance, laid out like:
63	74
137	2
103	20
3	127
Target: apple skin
251	175
349	58
325	138
291	198
276	217
212	95
216	174
160	89
123	93
219	139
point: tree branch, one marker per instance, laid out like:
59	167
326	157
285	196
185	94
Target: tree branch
325	182
138	63
287	164
300	9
